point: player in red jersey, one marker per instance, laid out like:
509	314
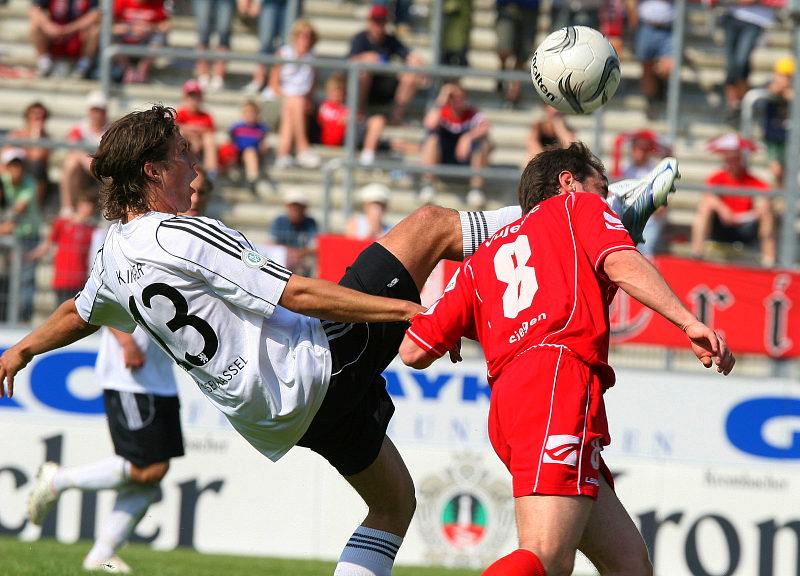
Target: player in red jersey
536	295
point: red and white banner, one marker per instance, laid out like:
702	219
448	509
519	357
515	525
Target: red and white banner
751	307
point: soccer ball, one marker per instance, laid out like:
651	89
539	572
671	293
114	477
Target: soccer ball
575	70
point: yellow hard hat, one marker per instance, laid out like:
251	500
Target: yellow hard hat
785	66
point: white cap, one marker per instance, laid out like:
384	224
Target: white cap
374	192
95	99
10	154
295	196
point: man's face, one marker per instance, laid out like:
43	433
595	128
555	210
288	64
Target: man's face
376	29
296	212
98	117
175	176
594	183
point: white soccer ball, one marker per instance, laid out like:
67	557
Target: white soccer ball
575	70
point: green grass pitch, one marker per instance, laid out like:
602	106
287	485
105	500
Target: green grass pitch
51	558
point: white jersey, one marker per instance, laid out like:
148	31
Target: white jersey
156	376
210	301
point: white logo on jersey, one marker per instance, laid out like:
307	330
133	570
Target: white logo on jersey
510	267
613	222
253	259
562	449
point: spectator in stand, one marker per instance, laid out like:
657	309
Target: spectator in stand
375	45
369	224
456	133
608	16
23	222
744	23
218	13
645	150
248	145
517	21
275	17
576	13
729	218
294	84
197	126
456	30
65	29
776	117
551	130
333	115
139	23
72	238
37	159
652	21
296	231
75	172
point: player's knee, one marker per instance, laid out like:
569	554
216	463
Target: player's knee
152	474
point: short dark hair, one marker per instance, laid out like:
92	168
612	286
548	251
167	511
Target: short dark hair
539	180
129	143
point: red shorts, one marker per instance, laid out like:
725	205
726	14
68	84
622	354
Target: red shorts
547	423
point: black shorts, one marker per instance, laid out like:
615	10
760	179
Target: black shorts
382	89
746	233
145	428
350	425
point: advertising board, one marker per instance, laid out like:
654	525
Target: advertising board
708	467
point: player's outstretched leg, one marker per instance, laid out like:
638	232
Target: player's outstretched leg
640	198
420	240
44	495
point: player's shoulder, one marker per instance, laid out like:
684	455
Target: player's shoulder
188	236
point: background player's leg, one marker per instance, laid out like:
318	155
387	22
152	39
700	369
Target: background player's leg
388	490
611	540
132	502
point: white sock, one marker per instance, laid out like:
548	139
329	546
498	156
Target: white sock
369	552
615	203
133	500
109	473
477	227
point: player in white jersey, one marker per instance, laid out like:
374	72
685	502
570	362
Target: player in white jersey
247	329
143	412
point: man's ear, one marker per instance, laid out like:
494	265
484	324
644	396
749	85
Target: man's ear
151	171
566	180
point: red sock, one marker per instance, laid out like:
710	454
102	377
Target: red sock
519	563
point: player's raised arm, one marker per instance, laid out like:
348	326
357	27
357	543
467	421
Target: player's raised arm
329	301
65	326
634	274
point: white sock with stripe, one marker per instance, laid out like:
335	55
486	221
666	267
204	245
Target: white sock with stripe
108	473
369	552
477	227
132	502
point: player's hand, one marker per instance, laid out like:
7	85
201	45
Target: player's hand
710	347
455	353
11	362
133	356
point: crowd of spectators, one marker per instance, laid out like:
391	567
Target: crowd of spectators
455	132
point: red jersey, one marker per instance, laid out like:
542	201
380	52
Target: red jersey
147	11
199	119
332	119
537	282
457	124
71	261
738	204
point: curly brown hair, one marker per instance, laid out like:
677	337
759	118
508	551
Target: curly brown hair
539	180
132	141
